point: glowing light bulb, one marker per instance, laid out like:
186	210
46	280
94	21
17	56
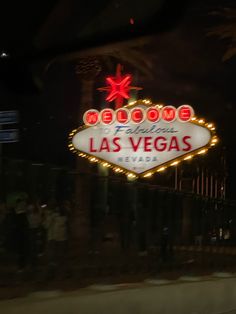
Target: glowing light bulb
149	174
188	157
161	169
203	151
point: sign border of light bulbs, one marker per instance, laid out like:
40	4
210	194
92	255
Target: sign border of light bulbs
104	139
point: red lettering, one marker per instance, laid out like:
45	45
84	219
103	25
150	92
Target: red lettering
122	115
115	142
107	116
174	145
185	113
104	145
153	114
168	113
91	148
91	117
162	146
188	145
135	146
147	143
137	115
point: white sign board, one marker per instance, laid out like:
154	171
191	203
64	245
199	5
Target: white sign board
141	147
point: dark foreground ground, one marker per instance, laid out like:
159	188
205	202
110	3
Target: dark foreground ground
78	268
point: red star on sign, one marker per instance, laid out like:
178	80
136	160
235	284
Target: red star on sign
118	87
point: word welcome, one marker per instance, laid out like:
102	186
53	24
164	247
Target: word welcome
137	115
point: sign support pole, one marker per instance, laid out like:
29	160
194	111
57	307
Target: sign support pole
7	136
1	176
176	178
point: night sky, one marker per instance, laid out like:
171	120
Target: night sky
186	67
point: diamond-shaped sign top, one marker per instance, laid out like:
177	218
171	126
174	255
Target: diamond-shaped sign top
140	149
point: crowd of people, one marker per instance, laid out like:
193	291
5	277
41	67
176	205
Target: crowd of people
33	232
29	230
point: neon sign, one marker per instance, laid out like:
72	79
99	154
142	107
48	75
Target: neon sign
118	87
137	115
142	138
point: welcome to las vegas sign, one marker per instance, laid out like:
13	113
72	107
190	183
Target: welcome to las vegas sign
142	138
